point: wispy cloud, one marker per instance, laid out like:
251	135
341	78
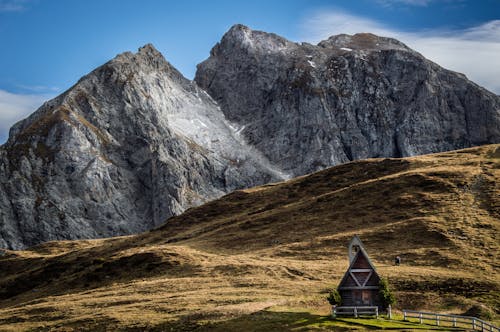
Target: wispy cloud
13	5
38	89
324	24
473	51
14	107
390	3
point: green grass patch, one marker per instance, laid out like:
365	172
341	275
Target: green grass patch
268	320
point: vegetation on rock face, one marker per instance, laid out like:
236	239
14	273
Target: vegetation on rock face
386	296
334	297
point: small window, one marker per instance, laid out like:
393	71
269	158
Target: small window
357	297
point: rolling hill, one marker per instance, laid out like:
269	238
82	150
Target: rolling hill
264	257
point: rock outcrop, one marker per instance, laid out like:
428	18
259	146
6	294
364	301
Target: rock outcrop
128	146
134	142
307	107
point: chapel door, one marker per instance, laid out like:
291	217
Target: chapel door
366	297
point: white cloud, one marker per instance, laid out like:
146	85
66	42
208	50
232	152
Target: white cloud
14	107
12	5
473	51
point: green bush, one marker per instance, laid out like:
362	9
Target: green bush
480	311
386	296
334	297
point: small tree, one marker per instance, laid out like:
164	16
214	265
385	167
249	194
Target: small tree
386	296
334	297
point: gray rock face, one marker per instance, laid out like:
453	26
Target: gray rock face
128	146
134	142
307	107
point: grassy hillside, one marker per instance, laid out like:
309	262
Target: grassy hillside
266	255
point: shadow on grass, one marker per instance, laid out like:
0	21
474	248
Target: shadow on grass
258	321
292	321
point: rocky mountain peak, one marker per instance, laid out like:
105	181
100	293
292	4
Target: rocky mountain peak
364	42
242	37
150	50
130	145
147	53
237	29
146	60
350	97
120	76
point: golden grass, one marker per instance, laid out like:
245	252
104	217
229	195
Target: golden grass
277	248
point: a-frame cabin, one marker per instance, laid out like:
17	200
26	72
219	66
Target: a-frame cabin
360	284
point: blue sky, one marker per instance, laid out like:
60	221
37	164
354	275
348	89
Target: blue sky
47	45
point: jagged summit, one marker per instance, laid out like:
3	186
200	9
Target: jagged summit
241	36
146	59
237	29
126	69
363	41
149	49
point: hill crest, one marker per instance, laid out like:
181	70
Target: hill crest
280	245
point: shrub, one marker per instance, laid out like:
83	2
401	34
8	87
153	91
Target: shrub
386	296
480	311
334	297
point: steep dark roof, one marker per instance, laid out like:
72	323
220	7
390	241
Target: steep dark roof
361	273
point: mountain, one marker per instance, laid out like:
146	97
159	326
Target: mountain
307	107
134	143
261	259
127	147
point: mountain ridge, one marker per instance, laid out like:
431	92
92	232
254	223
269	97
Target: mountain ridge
134	143
336	104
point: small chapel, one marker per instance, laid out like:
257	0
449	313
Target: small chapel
360	284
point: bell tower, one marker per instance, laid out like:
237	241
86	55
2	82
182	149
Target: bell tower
354	246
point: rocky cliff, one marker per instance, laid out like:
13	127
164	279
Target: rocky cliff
128	146
134	142
307	106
